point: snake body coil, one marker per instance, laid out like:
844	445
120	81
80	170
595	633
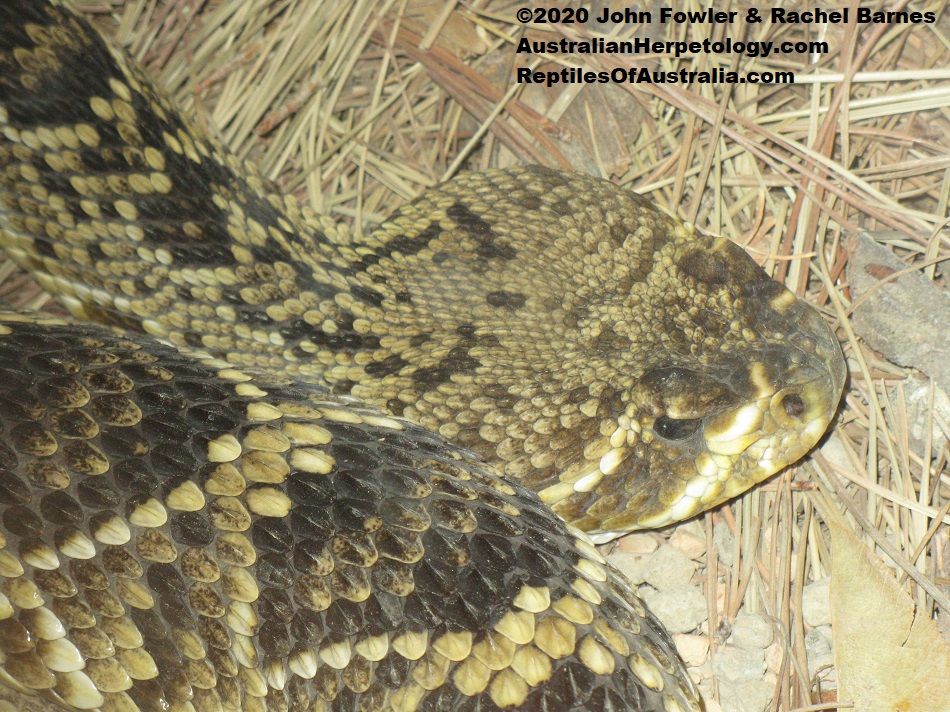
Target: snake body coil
183	531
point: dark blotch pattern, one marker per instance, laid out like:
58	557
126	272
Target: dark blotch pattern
406	537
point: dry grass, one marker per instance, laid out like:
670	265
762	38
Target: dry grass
337	102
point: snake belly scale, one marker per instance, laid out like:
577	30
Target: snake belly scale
287	493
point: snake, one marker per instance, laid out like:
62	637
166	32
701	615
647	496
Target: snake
269	463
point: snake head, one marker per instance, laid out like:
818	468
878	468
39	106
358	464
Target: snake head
626	367
743	380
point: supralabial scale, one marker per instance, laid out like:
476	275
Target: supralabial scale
308	484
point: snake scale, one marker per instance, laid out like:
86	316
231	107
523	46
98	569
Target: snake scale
324	476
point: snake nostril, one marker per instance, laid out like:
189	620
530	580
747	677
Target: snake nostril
794	405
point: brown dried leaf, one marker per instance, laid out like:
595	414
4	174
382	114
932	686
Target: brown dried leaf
888	655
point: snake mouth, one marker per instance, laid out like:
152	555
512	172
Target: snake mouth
790	397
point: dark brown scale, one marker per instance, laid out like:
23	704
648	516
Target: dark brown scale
61	508
92	643
13	490
162	397
174	459
176	687
405	514
177	613
406	245
480	591
448	547
398	546
314	493
104	603
63	393
107	380
344	387
167	427
55	583
97	493
73	423
274	639
73	612
49	365
352	514
15	638
424	611
388	366
307	626
88	575
124	442
223	663
383	612
147	694
271	535
119	562
275	604
449	486
28	669
435	578
393	577
132	476
276	571
191	529
314	567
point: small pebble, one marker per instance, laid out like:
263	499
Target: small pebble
694	649
738	666
750	696
751	632
816	603
691	544
637	544
680	609
668	567
633	566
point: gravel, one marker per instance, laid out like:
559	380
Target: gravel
747	664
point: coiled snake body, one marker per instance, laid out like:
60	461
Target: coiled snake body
248	517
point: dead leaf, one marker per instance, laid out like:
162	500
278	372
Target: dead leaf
888	655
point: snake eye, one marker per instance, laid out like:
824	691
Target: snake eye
794	405
671	429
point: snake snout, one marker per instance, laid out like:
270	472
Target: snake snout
818	379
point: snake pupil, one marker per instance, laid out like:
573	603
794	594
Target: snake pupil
794	405
673	429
